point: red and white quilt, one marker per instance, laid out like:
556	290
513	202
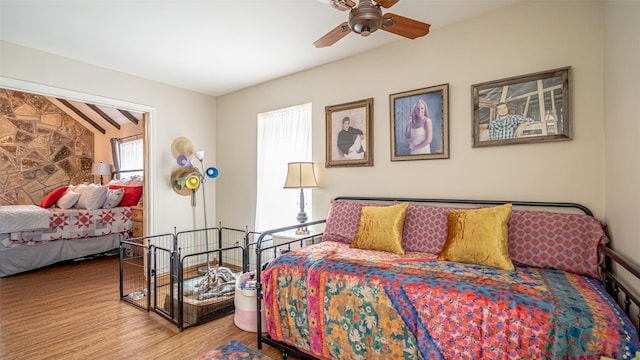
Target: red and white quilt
78	223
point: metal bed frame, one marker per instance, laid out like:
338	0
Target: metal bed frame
625	297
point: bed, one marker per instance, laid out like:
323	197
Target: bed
32	237
334	300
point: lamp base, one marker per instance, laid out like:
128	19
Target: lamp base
302	231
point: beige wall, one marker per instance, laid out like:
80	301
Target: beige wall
173	112
509	42
622	126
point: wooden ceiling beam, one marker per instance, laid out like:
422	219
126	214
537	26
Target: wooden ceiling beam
82	115
104	115
129	116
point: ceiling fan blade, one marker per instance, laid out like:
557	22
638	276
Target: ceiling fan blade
386	3
333	36
342	5
403	26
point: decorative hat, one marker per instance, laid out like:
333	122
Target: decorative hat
182	146
179	178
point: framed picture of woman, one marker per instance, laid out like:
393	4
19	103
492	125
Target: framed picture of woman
420	124
349	134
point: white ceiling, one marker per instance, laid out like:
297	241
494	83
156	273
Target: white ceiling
212	47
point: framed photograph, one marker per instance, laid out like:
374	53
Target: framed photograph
524	109
420	124
350	134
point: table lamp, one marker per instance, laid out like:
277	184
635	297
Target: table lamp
301	175
100	168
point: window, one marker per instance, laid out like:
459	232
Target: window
130	156
284	136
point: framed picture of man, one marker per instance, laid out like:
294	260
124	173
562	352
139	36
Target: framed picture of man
350	134
420	124
524	109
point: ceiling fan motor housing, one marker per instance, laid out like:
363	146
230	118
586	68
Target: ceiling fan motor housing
365	19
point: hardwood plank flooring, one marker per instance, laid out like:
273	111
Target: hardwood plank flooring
73	311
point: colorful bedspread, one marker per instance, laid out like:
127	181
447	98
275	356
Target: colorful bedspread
341	303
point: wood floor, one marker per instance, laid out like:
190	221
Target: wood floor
73	311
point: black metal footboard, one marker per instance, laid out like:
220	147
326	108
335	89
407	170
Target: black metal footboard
263	249
612	267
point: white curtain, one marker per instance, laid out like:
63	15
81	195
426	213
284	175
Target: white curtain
131	157
284	136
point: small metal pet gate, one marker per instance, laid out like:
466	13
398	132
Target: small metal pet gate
188	277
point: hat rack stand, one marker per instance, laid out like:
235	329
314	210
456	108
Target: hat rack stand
187	179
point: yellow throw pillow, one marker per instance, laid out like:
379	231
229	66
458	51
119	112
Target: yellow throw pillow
380	228
479	236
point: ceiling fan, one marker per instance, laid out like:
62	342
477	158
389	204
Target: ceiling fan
366	17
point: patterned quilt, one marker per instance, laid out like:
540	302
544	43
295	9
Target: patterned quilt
341	303
78	223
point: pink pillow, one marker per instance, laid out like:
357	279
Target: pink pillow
342	221
131	196
555	240
51	198
425	228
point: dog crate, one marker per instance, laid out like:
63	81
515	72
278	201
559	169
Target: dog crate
187	277
140	261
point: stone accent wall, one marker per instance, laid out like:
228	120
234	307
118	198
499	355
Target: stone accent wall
41	148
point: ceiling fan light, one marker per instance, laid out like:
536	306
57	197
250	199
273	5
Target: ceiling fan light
365	26
365	19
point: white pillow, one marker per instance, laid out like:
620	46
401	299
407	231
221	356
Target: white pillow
80	188
68	200
92	197
113	198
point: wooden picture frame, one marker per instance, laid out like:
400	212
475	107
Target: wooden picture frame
523	109
415	139
350	134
